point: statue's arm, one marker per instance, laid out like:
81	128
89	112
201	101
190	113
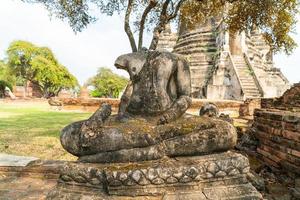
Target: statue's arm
183	86
98	118
125	99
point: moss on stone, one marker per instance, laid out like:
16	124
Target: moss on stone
181	126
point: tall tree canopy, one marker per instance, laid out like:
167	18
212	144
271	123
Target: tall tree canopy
107	83
39	65
276	18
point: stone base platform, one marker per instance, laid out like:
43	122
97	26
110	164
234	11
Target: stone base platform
215	176
24	178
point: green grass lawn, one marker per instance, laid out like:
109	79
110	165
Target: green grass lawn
33	130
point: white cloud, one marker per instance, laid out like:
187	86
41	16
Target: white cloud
98	45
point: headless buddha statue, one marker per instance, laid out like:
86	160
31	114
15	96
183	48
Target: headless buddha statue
151	122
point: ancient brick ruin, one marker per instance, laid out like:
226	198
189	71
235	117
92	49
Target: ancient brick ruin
31	90
277	128
225	65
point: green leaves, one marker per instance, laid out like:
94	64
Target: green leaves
6	74
39	65
275	18
107	84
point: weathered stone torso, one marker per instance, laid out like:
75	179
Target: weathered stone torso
151	86
154	88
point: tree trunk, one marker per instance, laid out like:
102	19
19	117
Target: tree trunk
163	20
147	10
156	34
25	89
127	26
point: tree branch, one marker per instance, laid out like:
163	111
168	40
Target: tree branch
175	12
147	10
160	26
127	26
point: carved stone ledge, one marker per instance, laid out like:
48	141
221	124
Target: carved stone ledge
156	178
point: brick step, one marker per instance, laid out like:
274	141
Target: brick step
252	94
247	79
255	91
247	82
245	74
248	85
251	89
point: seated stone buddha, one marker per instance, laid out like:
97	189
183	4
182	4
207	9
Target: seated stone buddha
151	122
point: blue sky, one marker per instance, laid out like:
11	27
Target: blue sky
97	46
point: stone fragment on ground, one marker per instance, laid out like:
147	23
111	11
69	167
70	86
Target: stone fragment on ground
13	160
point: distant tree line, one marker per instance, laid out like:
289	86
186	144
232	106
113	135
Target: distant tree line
107	84
28	62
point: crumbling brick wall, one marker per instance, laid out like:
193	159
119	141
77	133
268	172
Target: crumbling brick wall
278	133
277	127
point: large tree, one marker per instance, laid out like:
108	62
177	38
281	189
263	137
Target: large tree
107	83
276	18
39	65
